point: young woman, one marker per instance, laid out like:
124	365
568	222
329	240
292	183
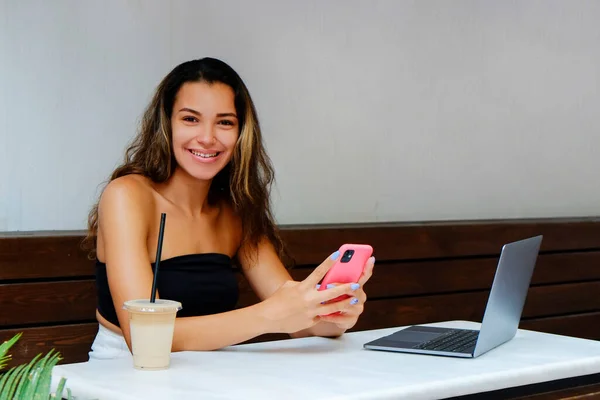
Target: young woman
200	159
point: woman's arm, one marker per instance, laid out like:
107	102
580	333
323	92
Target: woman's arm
125	210
266	273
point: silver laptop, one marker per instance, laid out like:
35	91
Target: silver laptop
500	320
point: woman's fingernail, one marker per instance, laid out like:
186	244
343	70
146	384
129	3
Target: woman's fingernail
354	286
330	286
318	286
372	259
335	255
354	301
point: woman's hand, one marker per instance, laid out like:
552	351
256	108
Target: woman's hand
352	308
296	306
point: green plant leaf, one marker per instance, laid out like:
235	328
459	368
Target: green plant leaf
15	373
4	347
35	376
31	381
3	381
43	375
60	388
25	388
4	361
43	388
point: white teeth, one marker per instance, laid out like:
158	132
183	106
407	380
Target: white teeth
203	155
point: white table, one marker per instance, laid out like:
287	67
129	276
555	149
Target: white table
319	368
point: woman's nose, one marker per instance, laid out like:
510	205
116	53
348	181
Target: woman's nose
207	134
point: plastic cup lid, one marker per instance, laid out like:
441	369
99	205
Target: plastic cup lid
160	306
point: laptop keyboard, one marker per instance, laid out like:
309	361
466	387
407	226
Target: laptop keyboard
455	341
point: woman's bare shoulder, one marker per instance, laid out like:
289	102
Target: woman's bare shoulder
131	193
124	212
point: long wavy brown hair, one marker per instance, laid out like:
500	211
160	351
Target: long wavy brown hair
246	180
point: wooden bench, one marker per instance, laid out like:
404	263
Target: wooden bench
425	272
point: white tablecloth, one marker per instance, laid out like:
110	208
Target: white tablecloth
319	368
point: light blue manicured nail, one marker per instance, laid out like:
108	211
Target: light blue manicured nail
318	286
330	286
354	286
354	301
335	255
373	260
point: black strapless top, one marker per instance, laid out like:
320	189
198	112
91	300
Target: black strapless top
204	284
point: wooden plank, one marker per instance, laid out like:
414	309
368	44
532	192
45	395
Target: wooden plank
398	279
586	325
310	244
72	341
541	301
563	299
578	387
389	313
22	254
31	257
413	278
443	276
585	392
566	267
34	303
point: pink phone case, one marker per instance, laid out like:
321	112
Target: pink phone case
347	271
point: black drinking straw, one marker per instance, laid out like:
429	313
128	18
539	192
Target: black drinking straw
161	233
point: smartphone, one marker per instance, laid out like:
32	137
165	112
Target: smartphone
348	267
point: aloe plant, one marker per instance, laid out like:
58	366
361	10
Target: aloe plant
31	380
4	347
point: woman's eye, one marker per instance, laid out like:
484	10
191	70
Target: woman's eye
226	122
190	119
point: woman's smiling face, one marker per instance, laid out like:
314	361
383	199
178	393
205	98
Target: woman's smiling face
205	128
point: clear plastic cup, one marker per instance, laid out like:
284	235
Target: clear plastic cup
151	328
